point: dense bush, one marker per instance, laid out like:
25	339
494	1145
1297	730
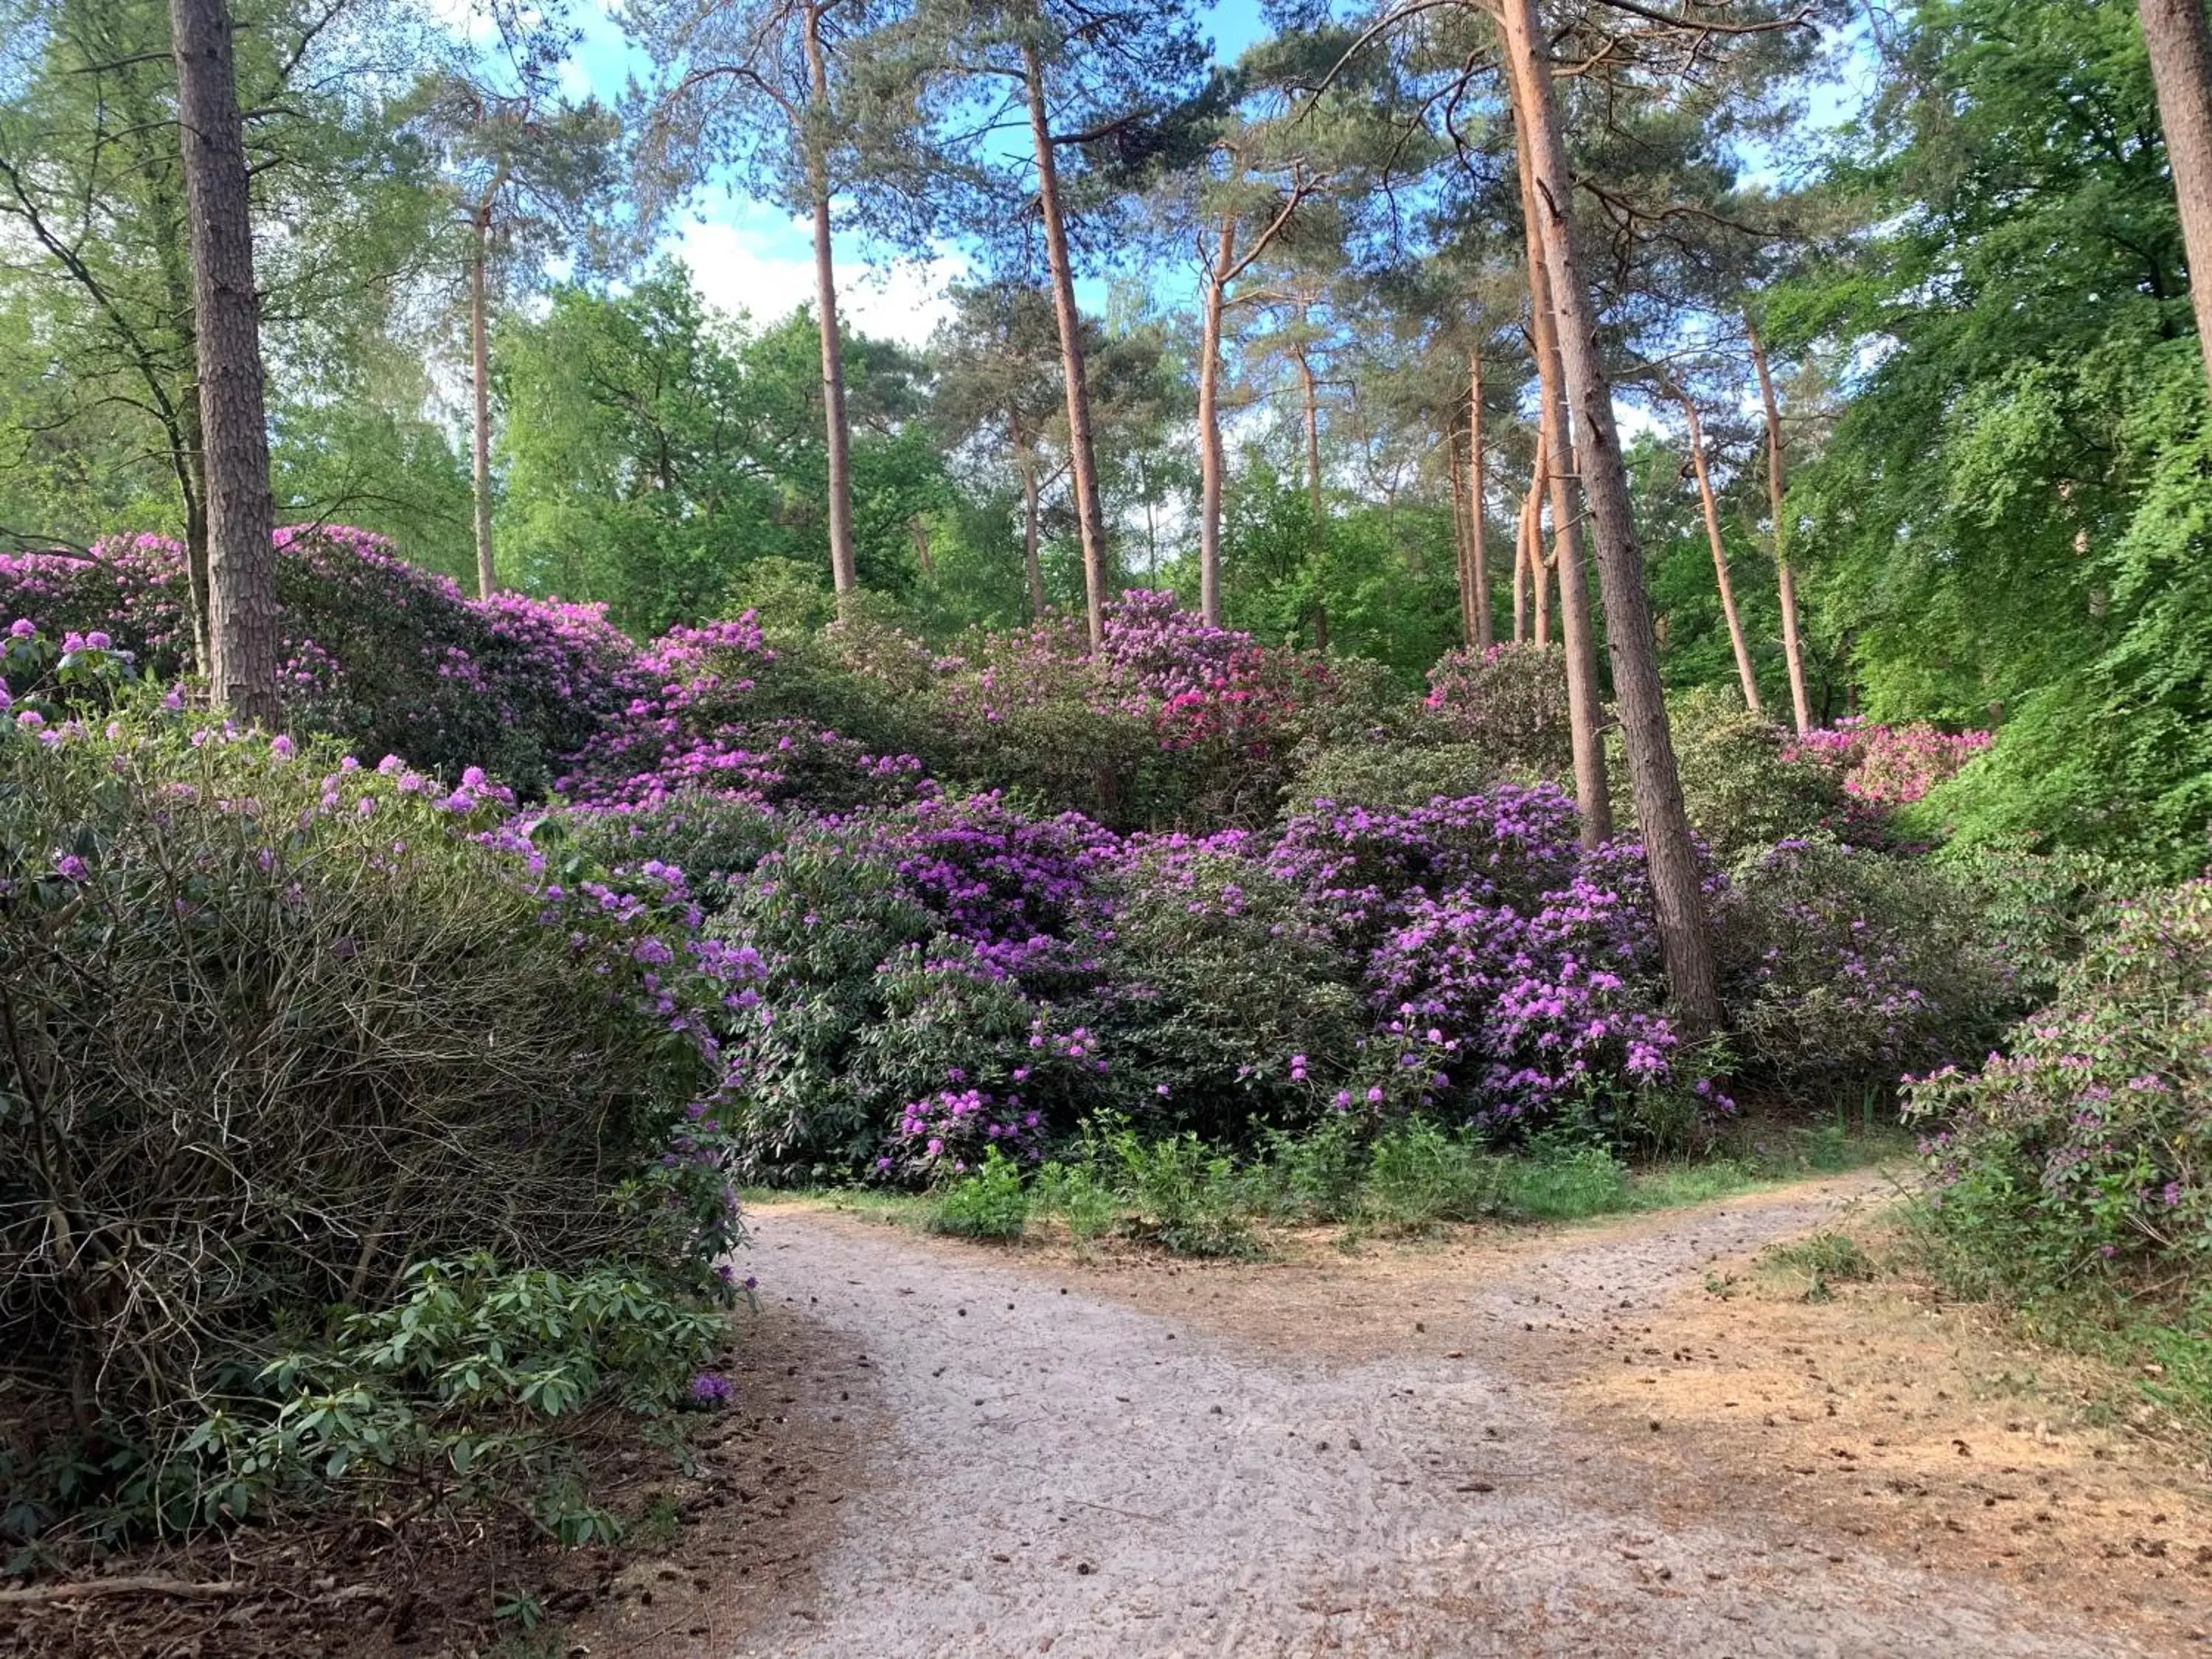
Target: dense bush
1742	780
1843	967
386	657
1510	703
2083	1153
282	1028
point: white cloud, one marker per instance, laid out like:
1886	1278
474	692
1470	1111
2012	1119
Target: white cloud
764	267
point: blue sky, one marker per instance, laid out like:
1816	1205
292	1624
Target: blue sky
746	255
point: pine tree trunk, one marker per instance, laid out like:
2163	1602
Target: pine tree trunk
1031	567
180	415
1478	554
1744	672
1523	534
1090	517
1592	793
1312	392
2180	45
1793	649
243	616
1462	568
480	377
1209	428
844	561
1670	854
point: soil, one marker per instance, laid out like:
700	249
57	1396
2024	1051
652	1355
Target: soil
1639	1438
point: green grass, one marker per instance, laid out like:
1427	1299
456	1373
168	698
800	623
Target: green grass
1196	1200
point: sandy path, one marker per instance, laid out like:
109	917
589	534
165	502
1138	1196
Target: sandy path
1056	1472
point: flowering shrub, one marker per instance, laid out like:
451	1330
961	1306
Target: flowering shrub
388	658
2082	1152
1226	995
1746	783
1541	1006
1889	766
1842	967
1364	868
1510	703
286	1024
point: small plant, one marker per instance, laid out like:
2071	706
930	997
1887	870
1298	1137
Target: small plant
1075	1193
1826	1260
989	1202
1418	1176
1182	1193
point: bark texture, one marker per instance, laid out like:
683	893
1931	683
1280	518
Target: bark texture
1478	554
1090	520
1593	796
480	386
243	613
1209	427
1670	855
844	563
1793	647
2180	45
1744	672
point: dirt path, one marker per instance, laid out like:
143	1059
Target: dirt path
1418	1455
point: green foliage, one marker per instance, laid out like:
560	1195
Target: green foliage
2009	518
1826	1260
666	449
462	1393
2080	1157
988	1202
1177	1190
1843	967
1391	772
1738	786
378	1045
1229	986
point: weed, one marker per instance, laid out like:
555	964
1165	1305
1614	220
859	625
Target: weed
989	1202
1826	1260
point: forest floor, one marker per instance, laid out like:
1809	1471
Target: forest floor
1661	1435
1639	1437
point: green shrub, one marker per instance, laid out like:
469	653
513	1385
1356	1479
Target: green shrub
1842	968
1078	1196
1563	1181
281	1029
1227	990
1419	1174
2083	1156
1311	1174
1509	704
1177	1190
989	1202
1387	771
1740	789
709	837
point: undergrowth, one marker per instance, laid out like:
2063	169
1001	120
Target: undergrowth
1192	1198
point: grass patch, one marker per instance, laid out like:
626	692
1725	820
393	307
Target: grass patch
1194	1199
1824	1260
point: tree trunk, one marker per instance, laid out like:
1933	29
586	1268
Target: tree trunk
1029	565
1478	554
1793	649
480	375
1593	793
1670	854
844	563
1461	569
1525	563
2180	45
1521	559
243	612
1091	519
1744	671
1312	391
180	415
918	530
1209	428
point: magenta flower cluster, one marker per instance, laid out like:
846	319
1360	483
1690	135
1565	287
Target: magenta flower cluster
1885	766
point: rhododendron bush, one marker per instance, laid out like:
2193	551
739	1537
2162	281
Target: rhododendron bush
385	656
984	892
284	1029
2083	1151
